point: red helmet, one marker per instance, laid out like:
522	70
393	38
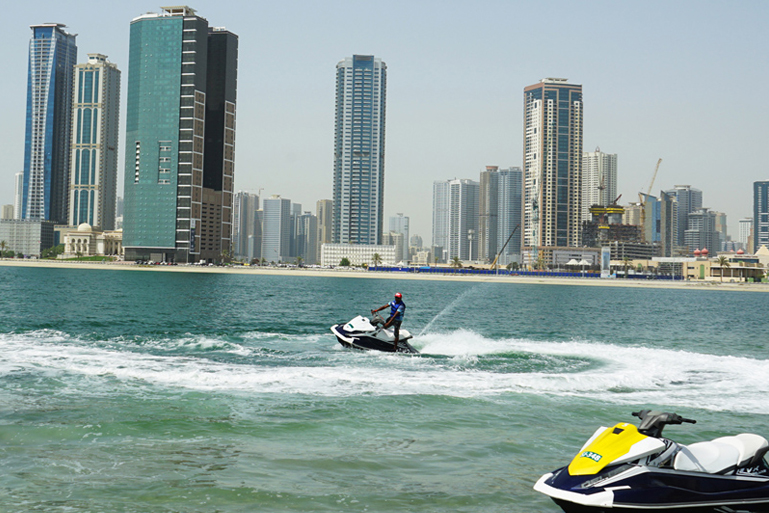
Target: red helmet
398	295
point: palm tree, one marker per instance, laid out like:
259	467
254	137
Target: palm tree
3	245
626	261
299	261
376	259
723	262
539	264
456	263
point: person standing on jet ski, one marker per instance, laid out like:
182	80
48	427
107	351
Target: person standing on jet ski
397	311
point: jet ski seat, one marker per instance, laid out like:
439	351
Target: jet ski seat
721	455
710	457
752	447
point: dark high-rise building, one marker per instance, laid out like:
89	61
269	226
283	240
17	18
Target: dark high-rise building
180	138
52	58
702	233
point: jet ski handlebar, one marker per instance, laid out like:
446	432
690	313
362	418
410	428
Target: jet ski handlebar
653	422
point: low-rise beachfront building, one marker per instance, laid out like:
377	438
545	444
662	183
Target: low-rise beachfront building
357	254
26	236
85	242
738	268
559	257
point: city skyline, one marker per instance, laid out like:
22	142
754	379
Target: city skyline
446	122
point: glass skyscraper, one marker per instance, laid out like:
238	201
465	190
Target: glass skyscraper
499	214
95	120
276	229
180	138
760	214
52	57
689	200
359	149
553	121
455	218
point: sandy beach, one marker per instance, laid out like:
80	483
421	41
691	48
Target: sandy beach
358	273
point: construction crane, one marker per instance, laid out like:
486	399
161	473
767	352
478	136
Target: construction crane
494	263
643	198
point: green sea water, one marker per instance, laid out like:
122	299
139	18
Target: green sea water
124	391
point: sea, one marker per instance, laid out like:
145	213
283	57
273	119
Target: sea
130	391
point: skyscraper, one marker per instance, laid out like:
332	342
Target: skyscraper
18	195
400	224
323	210
509	215
276	229
52	57
244	210
599	180
455	218
307	238
722	230
689	200
359	150
661	223
702	233
488	210
180	138
95	120
760	214
553	120
499	213
745	231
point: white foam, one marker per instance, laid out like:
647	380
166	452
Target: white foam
460	364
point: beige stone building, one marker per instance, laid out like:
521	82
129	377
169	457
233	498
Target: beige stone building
85	241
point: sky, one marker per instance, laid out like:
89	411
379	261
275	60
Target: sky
684	81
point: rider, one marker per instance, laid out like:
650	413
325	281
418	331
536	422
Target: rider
397	311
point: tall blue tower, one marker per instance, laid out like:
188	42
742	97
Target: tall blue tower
359	147
52	58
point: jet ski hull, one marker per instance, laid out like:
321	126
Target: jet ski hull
356	340
638	488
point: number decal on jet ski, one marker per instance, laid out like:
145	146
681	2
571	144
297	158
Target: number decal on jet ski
593	456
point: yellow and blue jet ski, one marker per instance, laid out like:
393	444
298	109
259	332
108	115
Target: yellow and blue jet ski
624	469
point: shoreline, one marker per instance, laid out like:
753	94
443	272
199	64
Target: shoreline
357	273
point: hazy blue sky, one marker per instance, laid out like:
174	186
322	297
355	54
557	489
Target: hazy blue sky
684	81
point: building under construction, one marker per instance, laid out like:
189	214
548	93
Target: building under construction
605	228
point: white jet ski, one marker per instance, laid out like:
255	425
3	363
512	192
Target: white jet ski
364	333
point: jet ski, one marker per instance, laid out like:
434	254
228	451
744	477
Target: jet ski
624	469
365	333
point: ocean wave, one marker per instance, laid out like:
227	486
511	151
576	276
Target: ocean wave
459	364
